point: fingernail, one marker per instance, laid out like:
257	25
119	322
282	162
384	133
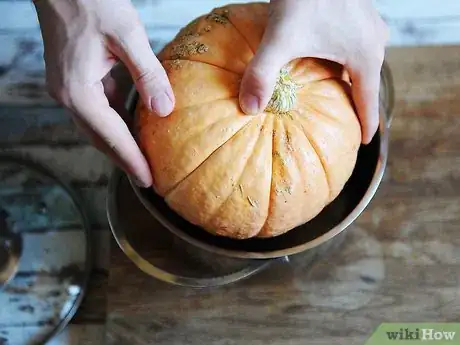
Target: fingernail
139	183
162	104
250	104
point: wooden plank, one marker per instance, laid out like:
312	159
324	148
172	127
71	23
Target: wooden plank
95	198
81	335
23	335
38	125
418	81
72	335
100	241
67	161
93	309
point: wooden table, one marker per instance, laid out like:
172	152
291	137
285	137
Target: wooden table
400	261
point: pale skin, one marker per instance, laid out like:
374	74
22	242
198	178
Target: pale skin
83	41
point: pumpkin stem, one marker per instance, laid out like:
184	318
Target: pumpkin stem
285	94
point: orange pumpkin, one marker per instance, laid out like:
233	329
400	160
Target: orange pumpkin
238	175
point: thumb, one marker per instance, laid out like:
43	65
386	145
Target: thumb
133	48
260	76
365	78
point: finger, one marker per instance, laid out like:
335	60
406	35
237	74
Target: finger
117	86
132	46
260	75
97	141
365	92
109	133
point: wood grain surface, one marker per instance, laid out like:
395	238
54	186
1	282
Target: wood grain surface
400	261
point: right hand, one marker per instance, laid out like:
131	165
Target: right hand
83	40
350	32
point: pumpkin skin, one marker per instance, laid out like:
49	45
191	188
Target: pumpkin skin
238	175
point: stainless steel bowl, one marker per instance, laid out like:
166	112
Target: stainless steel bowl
159	253
335	218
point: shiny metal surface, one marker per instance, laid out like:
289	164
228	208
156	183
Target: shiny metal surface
163	255
334	219
47	260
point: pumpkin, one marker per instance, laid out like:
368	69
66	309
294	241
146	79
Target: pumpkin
243	176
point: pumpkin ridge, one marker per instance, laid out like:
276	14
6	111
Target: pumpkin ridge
204	130
197	41
166	194
200	132
286	123
241	34
270	192
214	215
300	126
345	87
312	83
313	109
332	79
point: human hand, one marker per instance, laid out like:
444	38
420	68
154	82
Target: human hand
83	40
349	32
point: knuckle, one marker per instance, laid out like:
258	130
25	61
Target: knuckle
151	75
375	56
370	53
375	36
385	32
127	26
256	80
382	31
257	73
154	77
65	95
120	20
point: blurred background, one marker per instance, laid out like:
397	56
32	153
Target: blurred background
32	125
